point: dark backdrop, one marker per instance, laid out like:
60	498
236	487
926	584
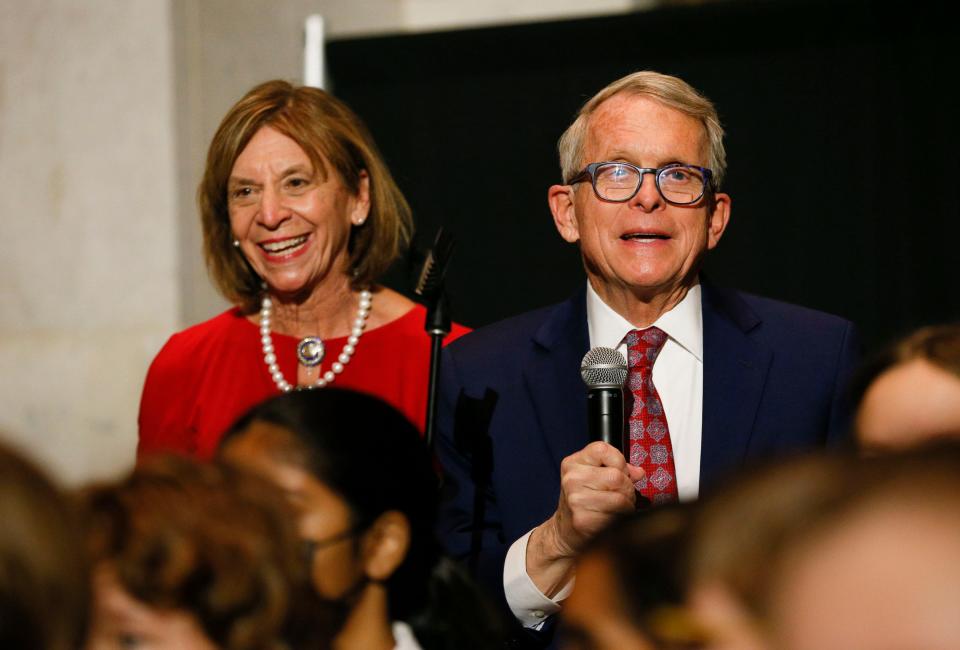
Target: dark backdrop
842	146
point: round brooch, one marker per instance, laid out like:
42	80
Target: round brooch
310	351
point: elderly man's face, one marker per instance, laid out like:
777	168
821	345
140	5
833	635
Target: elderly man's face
645	245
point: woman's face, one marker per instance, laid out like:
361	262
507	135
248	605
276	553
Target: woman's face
293	225
123	623
324	517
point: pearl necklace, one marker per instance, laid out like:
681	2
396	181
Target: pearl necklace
270	357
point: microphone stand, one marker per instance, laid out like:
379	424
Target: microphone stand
437	324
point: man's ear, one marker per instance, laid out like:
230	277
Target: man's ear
560	198
385	545
718	219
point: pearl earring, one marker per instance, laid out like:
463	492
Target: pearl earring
236	243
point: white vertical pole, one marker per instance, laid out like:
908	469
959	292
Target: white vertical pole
313	51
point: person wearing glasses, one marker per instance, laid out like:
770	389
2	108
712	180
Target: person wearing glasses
716	377
365	492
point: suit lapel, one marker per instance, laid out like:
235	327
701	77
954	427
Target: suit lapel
552	377
734	372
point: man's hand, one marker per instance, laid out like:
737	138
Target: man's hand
596	483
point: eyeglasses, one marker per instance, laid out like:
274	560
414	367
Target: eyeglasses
311	546
620	181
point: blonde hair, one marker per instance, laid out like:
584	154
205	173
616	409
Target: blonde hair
669	91
330	134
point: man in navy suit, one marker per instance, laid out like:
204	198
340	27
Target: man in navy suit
737	377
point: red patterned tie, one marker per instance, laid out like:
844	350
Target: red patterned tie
650	446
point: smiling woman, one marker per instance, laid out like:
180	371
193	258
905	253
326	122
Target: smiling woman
300	218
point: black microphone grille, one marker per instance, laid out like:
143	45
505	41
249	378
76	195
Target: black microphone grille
430	282
603	367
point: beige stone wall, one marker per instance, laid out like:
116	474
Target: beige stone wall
87	196
420	15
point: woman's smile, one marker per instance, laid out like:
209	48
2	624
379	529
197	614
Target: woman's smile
285	248
292	221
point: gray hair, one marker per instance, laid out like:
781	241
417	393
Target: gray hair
668	90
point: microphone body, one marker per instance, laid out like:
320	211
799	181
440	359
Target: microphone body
605	416
603	371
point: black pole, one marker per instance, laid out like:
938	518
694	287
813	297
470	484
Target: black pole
437	324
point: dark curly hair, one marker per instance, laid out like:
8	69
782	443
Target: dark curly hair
44	586
214	541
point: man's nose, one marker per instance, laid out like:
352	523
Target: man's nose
648	196
273	212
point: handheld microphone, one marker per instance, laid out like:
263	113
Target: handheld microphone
604	370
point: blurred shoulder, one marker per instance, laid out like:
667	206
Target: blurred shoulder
777	322
790	312
504	337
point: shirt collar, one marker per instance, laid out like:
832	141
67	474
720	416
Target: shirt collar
403	636
683	323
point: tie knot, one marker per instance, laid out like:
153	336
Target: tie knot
644	346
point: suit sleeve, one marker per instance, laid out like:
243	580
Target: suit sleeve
841	410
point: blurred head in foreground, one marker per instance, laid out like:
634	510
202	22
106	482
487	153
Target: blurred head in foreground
366	493
200	556
911	392
43	577
880	568
832	552
738	534
629	591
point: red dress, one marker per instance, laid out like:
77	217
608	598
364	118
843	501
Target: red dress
208	375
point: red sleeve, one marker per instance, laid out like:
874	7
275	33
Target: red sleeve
456	331
168	393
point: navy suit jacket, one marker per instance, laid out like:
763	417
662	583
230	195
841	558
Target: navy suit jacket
513	405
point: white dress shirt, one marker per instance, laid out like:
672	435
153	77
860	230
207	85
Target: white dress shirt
403	637
678	378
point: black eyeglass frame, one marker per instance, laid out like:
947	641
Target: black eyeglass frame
311	546
590	172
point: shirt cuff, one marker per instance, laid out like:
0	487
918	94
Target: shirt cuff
528	603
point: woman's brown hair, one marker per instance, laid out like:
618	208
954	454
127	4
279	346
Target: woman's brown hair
43	576
336	141
214	541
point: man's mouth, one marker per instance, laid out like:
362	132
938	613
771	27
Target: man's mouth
281	246
643	236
